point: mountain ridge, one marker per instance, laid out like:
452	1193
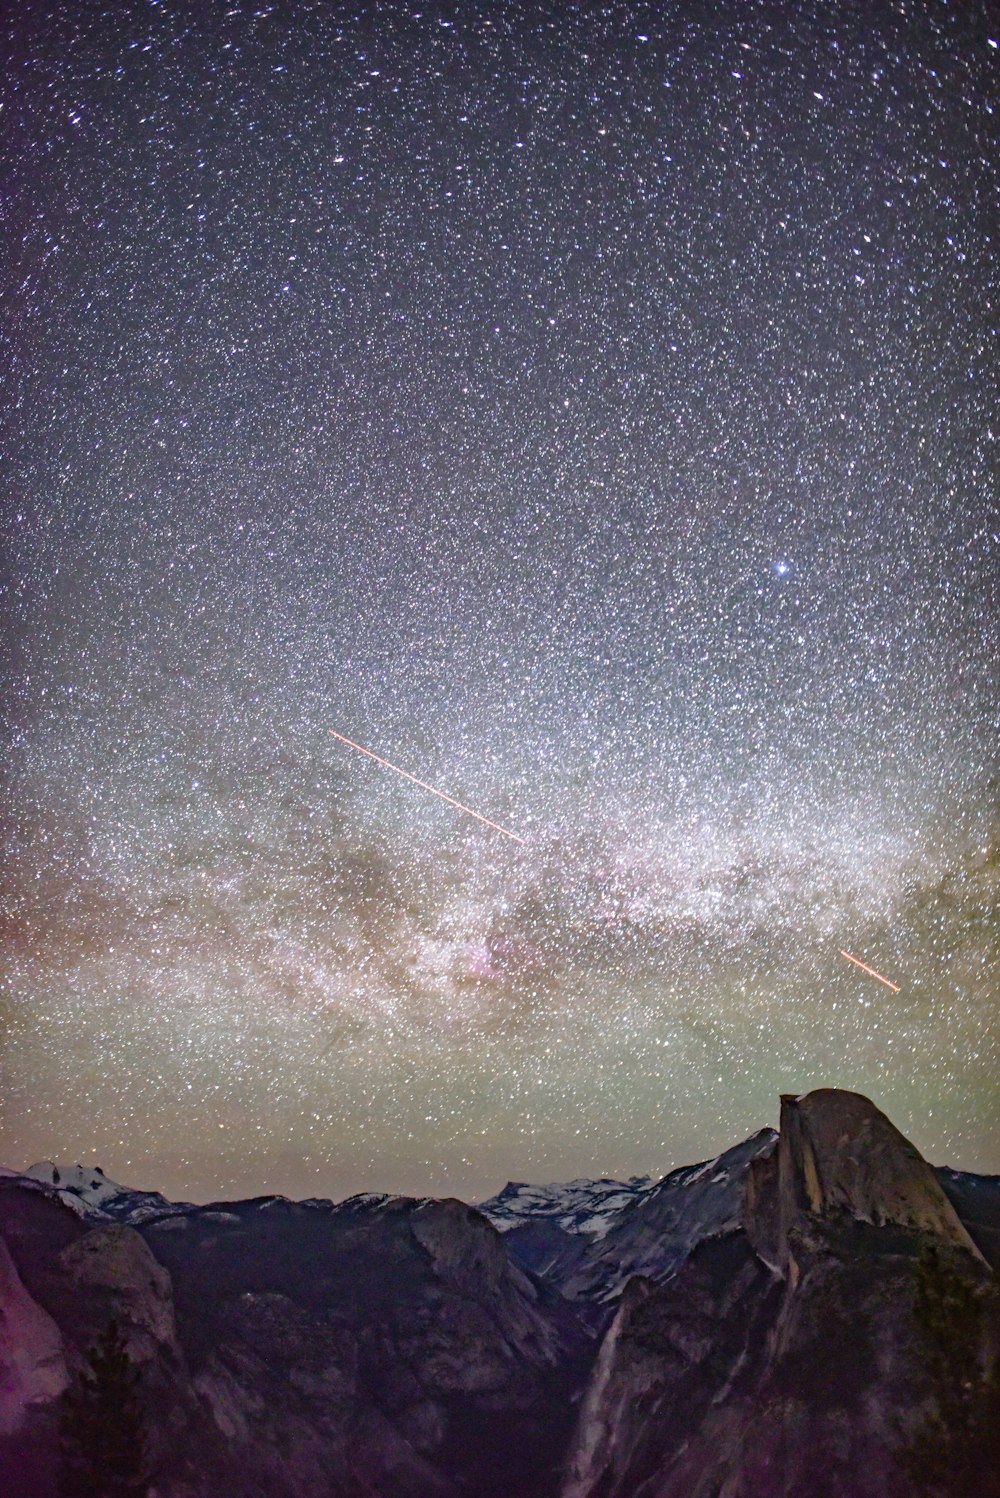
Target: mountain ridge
708	1332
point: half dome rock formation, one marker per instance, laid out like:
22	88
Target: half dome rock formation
839	1155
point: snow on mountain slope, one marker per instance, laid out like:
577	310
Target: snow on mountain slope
579	1206
589	1237
91	1185
656	1232
93	1196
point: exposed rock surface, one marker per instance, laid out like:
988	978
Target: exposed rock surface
32	1365
114	1274
838	1155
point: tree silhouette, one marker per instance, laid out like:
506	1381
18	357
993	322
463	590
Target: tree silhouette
956	1449
102	1427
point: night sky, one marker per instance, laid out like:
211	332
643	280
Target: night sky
594	411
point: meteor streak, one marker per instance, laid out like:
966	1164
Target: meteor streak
864	966
425	787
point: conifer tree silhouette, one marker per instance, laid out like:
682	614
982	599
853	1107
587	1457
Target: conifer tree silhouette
955	1451
102	1448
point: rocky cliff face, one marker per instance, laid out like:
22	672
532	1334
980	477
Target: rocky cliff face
670	1357
112	1273
782	1360
32	1365
839	1156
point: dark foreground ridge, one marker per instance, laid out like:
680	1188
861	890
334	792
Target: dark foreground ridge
814	1313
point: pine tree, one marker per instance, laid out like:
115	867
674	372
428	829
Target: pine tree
102	1441
955	1451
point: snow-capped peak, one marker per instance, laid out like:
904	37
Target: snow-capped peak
86	1190
88	1183
579	1206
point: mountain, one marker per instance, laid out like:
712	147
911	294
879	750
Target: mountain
550	1228
749	1327
590	1237
655	1232
93	1196
292	1349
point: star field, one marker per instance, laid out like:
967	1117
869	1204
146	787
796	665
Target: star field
592	410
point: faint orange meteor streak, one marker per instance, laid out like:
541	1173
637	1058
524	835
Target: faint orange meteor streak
425	787
858	963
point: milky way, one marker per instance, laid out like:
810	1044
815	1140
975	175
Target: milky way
593	412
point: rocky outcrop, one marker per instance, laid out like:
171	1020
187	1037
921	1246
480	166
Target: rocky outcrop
32	1364
115	1276
838	1156
760	1216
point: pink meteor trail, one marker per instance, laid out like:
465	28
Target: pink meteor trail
858	963
425	787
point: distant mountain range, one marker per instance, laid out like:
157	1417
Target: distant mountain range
755	1326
